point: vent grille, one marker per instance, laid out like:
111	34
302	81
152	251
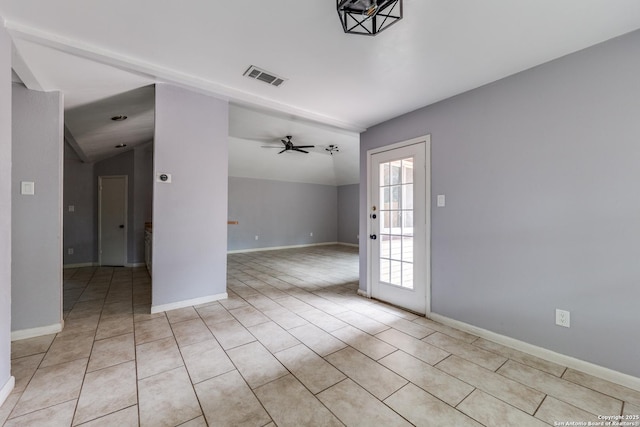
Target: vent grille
264	76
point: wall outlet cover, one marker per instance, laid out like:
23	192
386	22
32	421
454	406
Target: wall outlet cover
563	318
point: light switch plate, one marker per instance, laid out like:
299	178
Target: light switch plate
27	188
440	200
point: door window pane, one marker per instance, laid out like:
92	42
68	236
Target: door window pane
407	197
396	273
396	222
385	270
395	170
407	171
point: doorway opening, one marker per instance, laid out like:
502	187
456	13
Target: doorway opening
398	225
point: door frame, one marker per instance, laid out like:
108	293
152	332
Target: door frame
126	216
369	272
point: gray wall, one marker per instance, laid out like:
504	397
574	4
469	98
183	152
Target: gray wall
348	213
280	213
37	220
189	214
142	197
541	174
5	208
80	190
80	225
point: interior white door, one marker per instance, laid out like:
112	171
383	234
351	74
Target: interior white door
113	220
399	226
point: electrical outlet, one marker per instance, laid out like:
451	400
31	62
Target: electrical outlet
311	234
70	251
256	237
563	318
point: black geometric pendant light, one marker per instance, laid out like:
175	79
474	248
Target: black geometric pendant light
368	17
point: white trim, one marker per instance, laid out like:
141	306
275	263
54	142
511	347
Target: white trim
6	389
187	303
363	293
353	245
543	353
37	332
80	265
277	248
95	264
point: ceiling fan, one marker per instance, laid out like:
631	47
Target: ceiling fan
288	146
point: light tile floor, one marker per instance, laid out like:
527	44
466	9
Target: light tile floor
292	346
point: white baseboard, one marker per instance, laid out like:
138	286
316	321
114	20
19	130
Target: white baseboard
277	248
82	264
187	303
37	332
543	353
353	245
6	389
95	264
363	293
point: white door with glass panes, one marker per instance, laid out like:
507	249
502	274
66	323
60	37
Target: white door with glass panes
399	225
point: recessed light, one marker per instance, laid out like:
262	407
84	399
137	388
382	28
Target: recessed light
121	145
119	118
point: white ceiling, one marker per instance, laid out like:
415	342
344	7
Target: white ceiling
251	130
93	51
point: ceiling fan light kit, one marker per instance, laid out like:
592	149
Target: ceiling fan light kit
332	149
368	17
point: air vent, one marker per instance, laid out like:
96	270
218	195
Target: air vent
264	76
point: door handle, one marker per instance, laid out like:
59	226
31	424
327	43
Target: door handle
121	226
373	236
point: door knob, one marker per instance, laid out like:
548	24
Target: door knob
121	225
373	236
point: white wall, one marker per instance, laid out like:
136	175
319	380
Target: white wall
189	214
37	156
6	381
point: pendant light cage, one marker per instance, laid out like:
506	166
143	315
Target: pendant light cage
368	17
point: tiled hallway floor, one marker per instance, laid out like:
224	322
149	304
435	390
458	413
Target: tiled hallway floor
292	346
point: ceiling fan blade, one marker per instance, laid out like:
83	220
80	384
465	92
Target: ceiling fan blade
305	146
302	151
282	151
